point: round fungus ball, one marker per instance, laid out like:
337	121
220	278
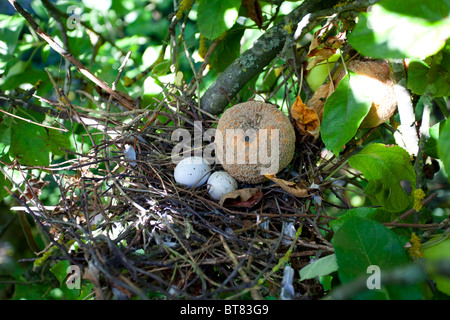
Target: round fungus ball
192	171
253	139
220	183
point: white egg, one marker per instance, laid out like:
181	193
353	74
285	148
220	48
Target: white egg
220	183
192	171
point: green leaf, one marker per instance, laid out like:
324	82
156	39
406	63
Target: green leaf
431	144
360	243
390	166
376	214
344	111
444	147
29	144
227	50
5	139
216	16
320	267
402	29
4	182
438	77
59	270
435	250
417	72
10	29
57	141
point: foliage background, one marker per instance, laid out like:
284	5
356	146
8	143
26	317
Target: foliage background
142	28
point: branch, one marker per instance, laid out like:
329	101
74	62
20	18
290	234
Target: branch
126	101
291	28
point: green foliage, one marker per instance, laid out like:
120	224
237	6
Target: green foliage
375	214
5	139
216	16
438	249
30	144
360	243
431	145
10	29
444	147
4	182
59	270
398	29
413	29
386	167
228	49
320	267
344	111
436	75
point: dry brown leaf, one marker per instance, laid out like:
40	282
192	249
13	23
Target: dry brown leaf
289	186
254	11
246	198
306	118
34	188
319	97
320	55
322	49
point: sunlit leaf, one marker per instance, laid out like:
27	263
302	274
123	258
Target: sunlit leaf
417	72
444	147
344	111
402	29
320	267
431	143
212	17
5	139
386	167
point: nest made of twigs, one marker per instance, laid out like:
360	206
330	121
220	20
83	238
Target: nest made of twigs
138	233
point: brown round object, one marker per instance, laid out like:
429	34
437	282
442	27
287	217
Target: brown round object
245	149
384	102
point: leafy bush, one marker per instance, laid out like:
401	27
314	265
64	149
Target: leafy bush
81	82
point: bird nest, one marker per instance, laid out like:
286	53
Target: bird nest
134	232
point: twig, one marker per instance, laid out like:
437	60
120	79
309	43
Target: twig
126	101
36	123
42	227
424	135
412	211
254	292
292	27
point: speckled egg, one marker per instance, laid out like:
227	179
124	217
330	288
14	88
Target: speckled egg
220	183
192	171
